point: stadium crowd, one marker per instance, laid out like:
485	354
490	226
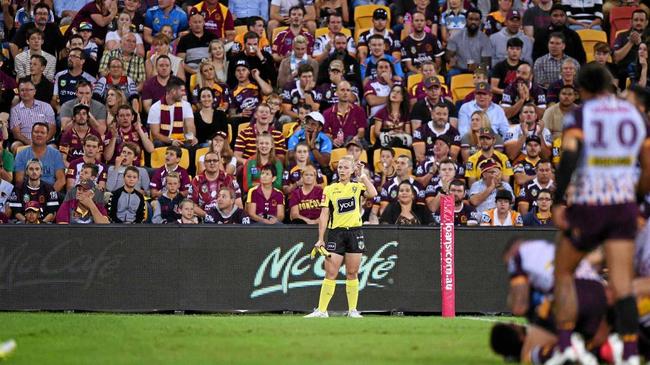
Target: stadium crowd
237	112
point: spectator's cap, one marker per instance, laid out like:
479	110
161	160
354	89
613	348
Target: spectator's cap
85	26
337	65
483	87
557	6
445	139
353	142
79	107
533	138
221	134
504	194
568	86
431	81
380	13
513	14
243	63
515	42
488	164
33	205
486	132
317	117
86	184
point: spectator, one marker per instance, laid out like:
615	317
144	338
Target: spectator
304	201
52	163
89	46
88	171
548	67
377	89
423	109
188	212
33	213
542	180
487	141
379	26
376	44
521	92
193	47
253	24
157	184
479	75
584	15
71	144
154	88
245	143
246	95
403	172
166	207
264	157
502	214
124	26
217	18
160	46
44	87
115	178
219	144
82	209
482	193
324	45
206	185
282	44
505	72
453	20
127	204
91	155
25	14
114	99
126	129
290	65
209	119
537	18
469	47
171	120
602	54
22	62
292	176
353	149
540	215
246	11
351	69
428	9
33	189
499	40
526	164
118	80
404	211
98	14
345	120
97	115
425	136
626	44
301	91
132	64
567	77
464	214
638	70
574	48
326	8
386	169
437	179
320	145
6	157
483	102
254	57
26	114
418	91
65	84
554	115
217	57
328	87
132	8
421	46
166	13
226	212
496	20
53	39
265	204
280	13
206	76
517	137
392	127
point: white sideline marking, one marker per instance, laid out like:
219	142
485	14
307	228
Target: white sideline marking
480	319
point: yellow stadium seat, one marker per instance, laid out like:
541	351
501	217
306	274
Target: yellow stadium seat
277	31
413	80
357	33
192	82
230	133
363	15
199	153
64	28
398	152
287	129
338	153
402	151
241	30
325	30
589	38
373	137
241	127
461	85
158	158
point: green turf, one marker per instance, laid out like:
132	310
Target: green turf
57	338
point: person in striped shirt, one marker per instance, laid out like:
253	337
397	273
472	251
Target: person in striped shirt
245	144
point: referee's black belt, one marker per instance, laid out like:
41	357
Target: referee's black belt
344	228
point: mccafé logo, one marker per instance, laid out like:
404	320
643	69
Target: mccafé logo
293	269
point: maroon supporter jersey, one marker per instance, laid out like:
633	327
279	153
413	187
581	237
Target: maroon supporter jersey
73	146
74	169
204	192
308	204
265	207
159	178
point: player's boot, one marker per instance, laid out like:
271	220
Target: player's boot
317	314
7	348
617	352
354	314
562	357
584	357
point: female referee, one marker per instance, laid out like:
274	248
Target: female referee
341	214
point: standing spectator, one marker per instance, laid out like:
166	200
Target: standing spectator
166	208
345	120
288	70
27	113
554	115
423	109
53	41
99	14
584	14
154	88
193	47
521	92
487	152
483	101
304	202
404	211
505	72
132	64
33	189
265	204
282	44
244	11
171	119
542	180
218	19
572	40
502	214
567	77
469	47
264	157
22	62
420	46
499	40
226	211
52	163
324	45
245	142
538	18
71	144
541	215
425	136
82	209
65	82
482	193
157	184
206	185
126	129
166	13
379	26
320	145
254	57
626	45
91	155
127	204
97	115
160	47
116	79
115	178
44	87
548	67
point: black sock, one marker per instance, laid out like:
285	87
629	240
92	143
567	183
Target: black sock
627	325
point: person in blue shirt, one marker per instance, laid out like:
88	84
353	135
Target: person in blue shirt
320	145
50	158
166	13
377	46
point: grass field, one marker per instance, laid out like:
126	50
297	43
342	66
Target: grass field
58	338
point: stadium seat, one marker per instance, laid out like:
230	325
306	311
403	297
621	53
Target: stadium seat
357	33
373	138
64	28
620	18
325	30
241	127
277	31
461	85
158	158
229	133
200	153
241	30
376	156
192	82
288	128
589	39
338	153
413	80
363	15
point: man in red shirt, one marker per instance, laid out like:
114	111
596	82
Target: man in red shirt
218	19
283	43
205	187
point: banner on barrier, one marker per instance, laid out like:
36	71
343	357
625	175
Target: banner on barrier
447	272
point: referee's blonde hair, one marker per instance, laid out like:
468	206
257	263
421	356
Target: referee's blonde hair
348	158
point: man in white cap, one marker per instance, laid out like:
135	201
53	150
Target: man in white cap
320	145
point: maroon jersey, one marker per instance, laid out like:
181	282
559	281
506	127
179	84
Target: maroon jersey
283	43
236	216
265	207
349	123
246	97
159	178
419	51
427	135
466	213
204	192
74	169
73	146
123	136
308	204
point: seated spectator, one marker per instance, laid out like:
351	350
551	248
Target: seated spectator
479	75
226	212
90	44
253	24
82	209
304	200
32	189
421	46
425	137
521	92
8	96
161	47
32	213
118	80
487	141
54	41
115	178
264	157
376	90
292	175
97	115
502	214
283	41
320	145
157	184
71	144
518	135
274	100
44	87
6	157
638	70
165	14
154	88
188	212
469	47
247	95
543	180
245	142
351	70
453	20
265	204
483	101
377	46
602	54
98	15
126	129
88	171
496	20
22	62
132	63
464	214
114	99
429	166
526	164
554	115
329	86
404	211
582	15
301	91
206	76
127	204
171	119
327	8
51	161
353	149
91	155
499	40
386	169
290	65
166	208
392	126
218	19
193	46
403	172
549	66
567	77
541	215
505	72
558	26
25	14
27	113
90	65
324	45
482	193
438	177
381	27
219	144
418	91
255	58
124	26
345	120
208	119
206	185
280	13
423	108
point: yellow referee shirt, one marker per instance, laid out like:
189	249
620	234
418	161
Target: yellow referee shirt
344	202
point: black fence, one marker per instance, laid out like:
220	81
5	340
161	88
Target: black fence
228	268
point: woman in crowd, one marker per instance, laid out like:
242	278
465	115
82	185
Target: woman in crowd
114	99
326	7
124	26
405	211
292	177
208	120
206	77
218	60
638	70
469	142
392	126
219	144
304	202
160	46
265	156
265	204
99	14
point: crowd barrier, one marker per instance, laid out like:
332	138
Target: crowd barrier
240	268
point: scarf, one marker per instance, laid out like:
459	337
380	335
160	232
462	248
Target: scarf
295	62
172	125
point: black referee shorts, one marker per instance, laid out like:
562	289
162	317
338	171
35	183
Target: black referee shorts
343	240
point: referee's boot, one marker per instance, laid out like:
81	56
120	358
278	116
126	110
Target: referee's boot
317	314
354	314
